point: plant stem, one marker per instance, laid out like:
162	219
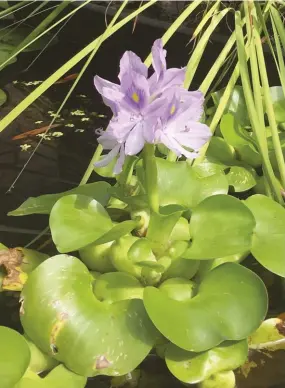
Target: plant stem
90	167
150	169
42	26
254	118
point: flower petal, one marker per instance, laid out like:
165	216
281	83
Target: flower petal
135	141
131	62
158	58
122	124
106	159
120	162
135	88
171	77
107	140
197	135
109	91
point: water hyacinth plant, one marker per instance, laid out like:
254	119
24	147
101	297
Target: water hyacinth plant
159	259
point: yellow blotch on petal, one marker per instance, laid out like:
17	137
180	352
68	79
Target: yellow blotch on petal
135	97
172	109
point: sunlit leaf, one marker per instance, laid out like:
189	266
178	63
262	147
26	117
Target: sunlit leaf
191	367
231	303
76	221
116	337
44	203
220	226
268	243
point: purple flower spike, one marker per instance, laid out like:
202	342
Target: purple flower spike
153	110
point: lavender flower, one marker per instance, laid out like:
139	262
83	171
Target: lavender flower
179	128
155	109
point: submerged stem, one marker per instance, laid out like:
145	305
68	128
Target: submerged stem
151	176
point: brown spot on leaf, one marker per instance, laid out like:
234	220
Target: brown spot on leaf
11	259
56	329
102	363
280	326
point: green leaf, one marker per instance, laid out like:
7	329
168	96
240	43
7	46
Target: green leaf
97	257
44	203
220	226
159	230
116	337
59	377
241	178
268	333
240	139
207	265
114	286
268	245
77	221
14	357
5	52
40	362
181	268
3	97
230	305
118	231
236	104
278	100
220	150
178	288
192	188
223	379
14	37
209	166
192	368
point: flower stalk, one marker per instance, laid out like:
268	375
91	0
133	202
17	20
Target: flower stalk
151	177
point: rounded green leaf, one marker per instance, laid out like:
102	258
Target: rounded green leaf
14	357
178	288
220	226
114	286
241	178
89	337
240	139
125	259
40	362
268	245
220	150
183	268
223	379
209	166
192	368
77	221
97	257
119	230
59	377
231	303
44	203
192	188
